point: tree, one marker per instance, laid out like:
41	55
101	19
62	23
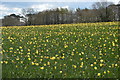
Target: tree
102	10
63	12
28	18
11	20
78	14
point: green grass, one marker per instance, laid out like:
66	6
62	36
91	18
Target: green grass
70	49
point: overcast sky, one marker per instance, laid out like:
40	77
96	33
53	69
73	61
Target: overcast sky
15	6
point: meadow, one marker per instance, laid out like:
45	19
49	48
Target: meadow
85	50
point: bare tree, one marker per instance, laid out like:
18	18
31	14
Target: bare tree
28	12
102	9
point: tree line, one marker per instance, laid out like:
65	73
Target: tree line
100	12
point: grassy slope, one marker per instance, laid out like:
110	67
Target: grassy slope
71	50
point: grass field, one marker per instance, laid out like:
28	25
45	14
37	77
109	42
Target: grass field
85	50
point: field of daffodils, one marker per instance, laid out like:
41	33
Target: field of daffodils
85	50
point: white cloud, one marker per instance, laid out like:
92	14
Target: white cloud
65	7
115	1
16	10
4	10
42	7
7	11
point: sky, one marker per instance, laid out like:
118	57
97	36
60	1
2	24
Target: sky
15	6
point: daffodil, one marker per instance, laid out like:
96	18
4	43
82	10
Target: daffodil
17	59
44	64
60	71
28	49
101	60
94	62
65	46
82	52
21	62
104	72
116	64
98	74
1	62
16	66
28	53
20	47
91	65
52	58
36	64
108	71
101	64
37	52
33	63
113	43
48	63
29	58
55	67
81	58
95	68
41	67
74	66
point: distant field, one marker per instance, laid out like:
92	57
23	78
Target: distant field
85	50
